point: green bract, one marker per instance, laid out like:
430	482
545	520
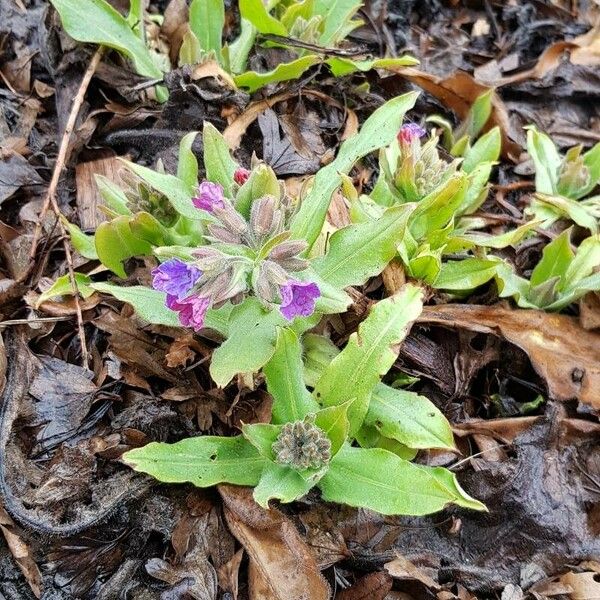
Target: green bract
563	182
311	440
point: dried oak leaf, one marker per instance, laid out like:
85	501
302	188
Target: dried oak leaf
374	586
281	565
561	351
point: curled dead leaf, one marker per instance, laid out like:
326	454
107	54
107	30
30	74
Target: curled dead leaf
282	566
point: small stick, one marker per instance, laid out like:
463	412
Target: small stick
50	199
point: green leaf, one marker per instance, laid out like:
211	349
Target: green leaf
291	400
63	287
379	480
177	191
587	258
591	159
501	240
478	115
149	304
112	194
369	354
145	227
281	483
556	258
466	274
252	80
360	251
319	351
203	461
251	342
83	243
115	243
546	159
334	422
550	208
262	436
187	165
486	149
256	12
240	48
262	182
379	130
97	22
218	163
408	418
207	19
344	66
337	15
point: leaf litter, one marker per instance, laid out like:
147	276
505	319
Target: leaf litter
84	526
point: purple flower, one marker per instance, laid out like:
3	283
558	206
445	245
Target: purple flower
192	310
209	196
175	277
410	132
298	298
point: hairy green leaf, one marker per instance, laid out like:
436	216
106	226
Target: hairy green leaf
203	461
115	242
408	418
207	19
379	480
360	251
251	342
97	22
187	164
291	400
369	354
218	163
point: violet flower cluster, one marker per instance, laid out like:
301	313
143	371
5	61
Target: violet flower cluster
242	257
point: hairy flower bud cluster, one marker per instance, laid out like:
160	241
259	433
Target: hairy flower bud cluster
419	169
142	198
302	445
242	257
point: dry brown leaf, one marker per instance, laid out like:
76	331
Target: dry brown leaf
374	586
281	565
21	553
402	568
583	585
561	351
458	92
229	574
589	311
88	195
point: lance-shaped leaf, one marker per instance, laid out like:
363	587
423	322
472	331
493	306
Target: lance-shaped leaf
379	130
369	354
203	461
360	251
149	304
546	159
408	418
291	400
218	163
63	286
187	163
379	480
251	341
115	242
207	18
97	22
252	80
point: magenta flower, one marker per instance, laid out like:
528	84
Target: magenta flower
410	132
298	299
175	277
241	175
192	310
209	196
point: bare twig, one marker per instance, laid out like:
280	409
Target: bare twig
50	199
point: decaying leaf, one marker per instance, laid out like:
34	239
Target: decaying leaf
561	351
282	566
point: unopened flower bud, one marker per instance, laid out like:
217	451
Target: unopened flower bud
302	445
241	175
288	249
